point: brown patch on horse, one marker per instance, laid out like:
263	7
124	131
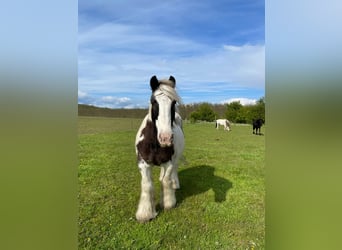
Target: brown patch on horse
149	148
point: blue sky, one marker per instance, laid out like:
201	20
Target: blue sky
214	49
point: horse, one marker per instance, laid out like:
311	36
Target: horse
159	142
224	122
257	125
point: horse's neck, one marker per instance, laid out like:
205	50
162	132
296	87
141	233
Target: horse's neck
178	120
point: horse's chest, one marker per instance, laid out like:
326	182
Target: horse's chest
150	150
154	154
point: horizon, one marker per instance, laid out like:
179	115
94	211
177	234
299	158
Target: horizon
215	50
247	103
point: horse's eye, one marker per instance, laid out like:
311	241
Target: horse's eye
153	101
173	104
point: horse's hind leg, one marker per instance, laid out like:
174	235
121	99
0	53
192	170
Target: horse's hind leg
168	196
146	208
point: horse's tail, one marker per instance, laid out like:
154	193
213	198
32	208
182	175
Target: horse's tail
215	124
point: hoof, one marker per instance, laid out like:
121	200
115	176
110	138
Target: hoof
168	206
143	218
145	215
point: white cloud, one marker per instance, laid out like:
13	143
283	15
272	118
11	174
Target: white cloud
84	98
117	59
242	67
242	100
231	48
137	56
107	101
115	101
82	94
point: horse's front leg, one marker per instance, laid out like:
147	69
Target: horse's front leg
174	177
169	182
146	208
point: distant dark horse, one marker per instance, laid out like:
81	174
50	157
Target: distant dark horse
257	125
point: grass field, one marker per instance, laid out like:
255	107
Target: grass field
221	203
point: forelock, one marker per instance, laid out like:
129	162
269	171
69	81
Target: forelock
167	82
166	88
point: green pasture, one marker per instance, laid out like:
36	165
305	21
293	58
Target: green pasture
220	205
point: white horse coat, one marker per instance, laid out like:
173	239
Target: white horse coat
224	122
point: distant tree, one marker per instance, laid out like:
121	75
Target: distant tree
242	115
219	109
238	113
187	109
204	112
233	112
258	110
194	116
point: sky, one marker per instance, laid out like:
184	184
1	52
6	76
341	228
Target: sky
214	49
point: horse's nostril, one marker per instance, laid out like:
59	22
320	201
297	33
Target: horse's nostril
166	139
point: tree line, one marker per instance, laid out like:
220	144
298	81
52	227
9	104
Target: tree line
234	111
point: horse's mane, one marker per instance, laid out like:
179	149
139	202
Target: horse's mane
166	87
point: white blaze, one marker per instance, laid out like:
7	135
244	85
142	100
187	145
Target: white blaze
163	121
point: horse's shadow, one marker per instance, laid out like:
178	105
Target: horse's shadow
200	179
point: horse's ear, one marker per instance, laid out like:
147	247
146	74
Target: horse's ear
154	83
172	79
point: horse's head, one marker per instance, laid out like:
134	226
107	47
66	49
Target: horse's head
163	108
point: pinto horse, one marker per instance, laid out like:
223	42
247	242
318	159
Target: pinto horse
257	125
159	142
224	122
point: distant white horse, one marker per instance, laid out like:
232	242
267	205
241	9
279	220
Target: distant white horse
224	122
159	142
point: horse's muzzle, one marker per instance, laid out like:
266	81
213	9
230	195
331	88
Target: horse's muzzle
165	139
